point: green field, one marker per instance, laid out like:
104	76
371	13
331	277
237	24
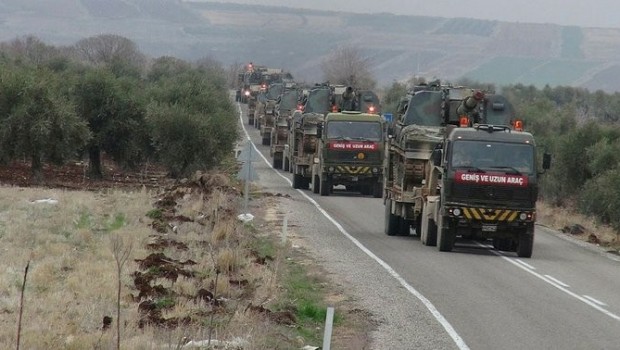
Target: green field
538	72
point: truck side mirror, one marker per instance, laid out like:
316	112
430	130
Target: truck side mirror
546	161
437	155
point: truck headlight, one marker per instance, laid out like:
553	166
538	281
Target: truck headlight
456	212
523	216
375	170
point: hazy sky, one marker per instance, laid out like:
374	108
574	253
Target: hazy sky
589	13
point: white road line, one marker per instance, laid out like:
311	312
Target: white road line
525	264
595	300
557	281
518	263
460	343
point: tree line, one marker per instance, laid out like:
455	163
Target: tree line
581	129
102	96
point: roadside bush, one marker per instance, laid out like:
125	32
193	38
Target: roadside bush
600	197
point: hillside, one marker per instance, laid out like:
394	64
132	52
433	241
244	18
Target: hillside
298	40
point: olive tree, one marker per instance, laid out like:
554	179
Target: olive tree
348	66
37	120
113	109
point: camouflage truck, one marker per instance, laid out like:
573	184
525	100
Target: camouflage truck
349	153
303	134
350	99
251	101
261	108
484	185
424	186
302	147
368	102
267	119
285	106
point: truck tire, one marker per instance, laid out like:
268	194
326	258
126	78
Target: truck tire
297	181
377	190
277	163
325	187
250	121
404	227
316	185
503	244
266	141
391	221
445	237
525	245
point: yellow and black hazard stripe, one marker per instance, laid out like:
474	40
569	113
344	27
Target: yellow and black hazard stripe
349	169
490	215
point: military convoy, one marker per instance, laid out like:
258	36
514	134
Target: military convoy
459	164
452	162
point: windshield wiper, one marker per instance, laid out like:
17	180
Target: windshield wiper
470	169
512	169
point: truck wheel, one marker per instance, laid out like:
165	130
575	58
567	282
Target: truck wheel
316	184
297	181
266	141
377	190
286	164
525	245
445	237
250	121
391	220
404	227
503	244
325	187
365	190
277	163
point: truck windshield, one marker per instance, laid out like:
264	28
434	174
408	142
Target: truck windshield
354	130
505	157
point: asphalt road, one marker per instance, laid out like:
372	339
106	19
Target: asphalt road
567	296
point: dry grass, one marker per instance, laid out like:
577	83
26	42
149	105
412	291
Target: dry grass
71	285
561	218
72	279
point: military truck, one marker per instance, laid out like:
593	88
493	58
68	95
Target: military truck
302	147
418	182
350	99
267	118
484	184
303	134
285	106
368	102
251	101
349	153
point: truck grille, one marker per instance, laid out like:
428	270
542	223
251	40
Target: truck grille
350	157
492	193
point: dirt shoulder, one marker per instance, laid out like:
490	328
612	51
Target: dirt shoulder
194	272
